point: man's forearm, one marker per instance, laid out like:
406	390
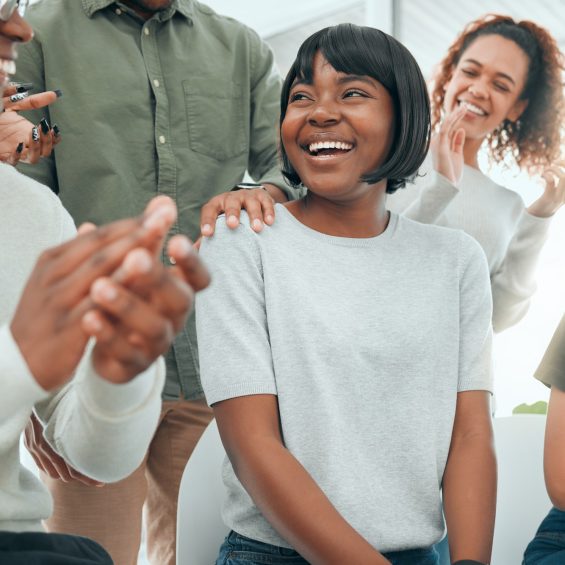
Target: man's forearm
469	497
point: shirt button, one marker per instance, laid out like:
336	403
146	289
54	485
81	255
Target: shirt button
162	139
156	83
146	30
118	12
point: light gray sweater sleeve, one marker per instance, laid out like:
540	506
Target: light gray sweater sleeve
435	192
231	322
475	310
514	283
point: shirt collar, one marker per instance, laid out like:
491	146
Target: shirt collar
184	7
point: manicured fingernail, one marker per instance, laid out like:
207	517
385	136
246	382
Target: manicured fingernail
92	322
18	97
56	130
24	87
257	224
45	127
232	220
58	92
103	290
269	219
20	147
206	229
35	133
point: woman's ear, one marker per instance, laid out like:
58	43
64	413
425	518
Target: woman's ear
517	110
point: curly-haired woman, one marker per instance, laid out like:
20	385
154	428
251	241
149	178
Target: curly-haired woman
500	86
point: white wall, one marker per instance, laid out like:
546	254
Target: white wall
269	17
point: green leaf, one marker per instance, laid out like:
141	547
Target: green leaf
539	407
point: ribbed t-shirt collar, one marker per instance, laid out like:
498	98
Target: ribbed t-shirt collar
343	241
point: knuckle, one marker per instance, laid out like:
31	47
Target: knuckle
157	331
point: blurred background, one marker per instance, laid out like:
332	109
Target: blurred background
427	28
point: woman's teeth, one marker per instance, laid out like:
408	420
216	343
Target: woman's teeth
472	108
7	66
319	145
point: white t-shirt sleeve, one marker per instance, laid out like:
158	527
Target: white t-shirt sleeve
475	312
231	320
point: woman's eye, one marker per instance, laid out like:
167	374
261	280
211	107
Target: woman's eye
469	73
351	93
501	87
298	96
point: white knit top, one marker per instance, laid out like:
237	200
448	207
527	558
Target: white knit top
496	217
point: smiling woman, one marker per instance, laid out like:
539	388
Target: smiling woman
500	87
358	342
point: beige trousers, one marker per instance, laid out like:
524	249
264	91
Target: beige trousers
111	515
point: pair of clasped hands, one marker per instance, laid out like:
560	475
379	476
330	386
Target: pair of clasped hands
108	284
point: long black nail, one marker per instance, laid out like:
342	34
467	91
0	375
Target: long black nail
56	130
58	92
18	97
24	87
20	147
45	127
35	133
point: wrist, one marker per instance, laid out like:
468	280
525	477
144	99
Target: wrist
116	399
542	209
468	562
276	193
247	186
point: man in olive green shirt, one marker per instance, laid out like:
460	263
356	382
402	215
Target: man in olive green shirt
161	97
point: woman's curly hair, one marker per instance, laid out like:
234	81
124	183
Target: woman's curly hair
534	140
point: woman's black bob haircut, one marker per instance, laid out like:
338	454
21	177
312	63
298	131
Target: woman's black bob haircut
367	51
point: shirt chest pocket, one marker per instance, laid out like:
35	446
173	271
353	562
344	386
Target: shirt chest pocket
216	117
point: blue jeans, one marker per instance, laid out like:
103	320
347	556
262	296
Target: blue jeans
239	550
38	548
548	546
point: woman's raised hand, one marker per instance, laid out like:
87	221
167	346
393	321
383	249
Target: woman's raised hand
553	196
447	147
22	141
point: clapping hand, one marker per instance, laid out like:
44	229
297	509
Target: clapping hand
553	196
447	147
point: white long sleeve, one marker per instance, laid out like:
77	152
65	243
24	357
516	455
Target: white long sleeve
496	217
101	429
427	200
514	283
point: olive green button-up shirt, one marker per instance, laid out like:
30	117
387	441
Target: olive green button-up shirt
181	104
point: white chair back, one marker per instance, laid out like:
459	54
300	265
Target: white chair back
200	529
522	499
